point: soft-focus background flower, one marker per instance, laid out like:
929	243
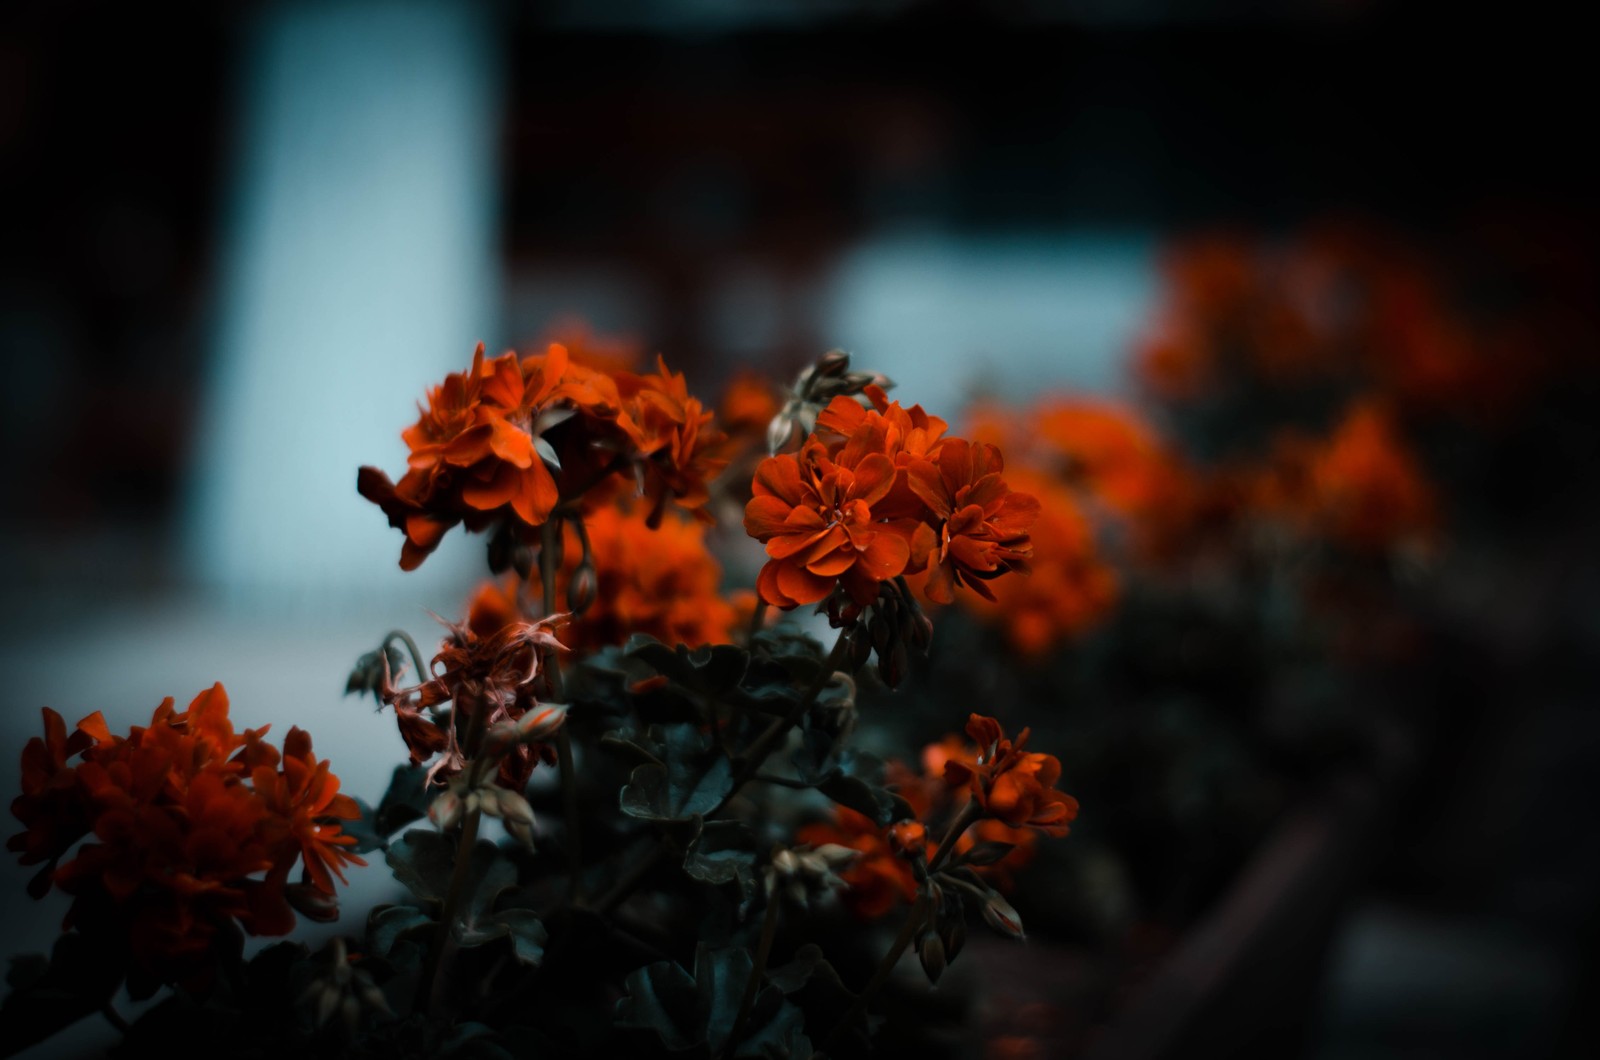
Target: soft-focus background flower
243	239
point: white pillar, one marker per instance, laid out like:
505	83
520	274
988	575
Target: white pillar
357	265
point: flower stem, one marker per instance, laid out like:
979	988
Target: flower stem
752	987
430	987
758	618
411	646
550	537
908	931
969	813
113	1017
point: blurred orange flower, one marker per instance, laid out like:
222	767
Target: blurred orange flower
662	582
1070	587
189	831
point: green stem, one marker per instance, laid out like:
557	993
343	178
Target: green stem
568	771
769	929
429	986
411	646
969	813
758	618
113	1017
908	931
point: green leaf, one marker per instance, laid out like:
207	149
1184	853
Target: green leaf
712	670
405	801
388	925
724	852
687	1012
678	790
661	998
880	804
807	962
815	759
26	970
74	982
520	926
422	860
528	936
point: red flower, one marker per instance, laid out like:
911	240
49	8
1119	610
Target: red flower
1014	787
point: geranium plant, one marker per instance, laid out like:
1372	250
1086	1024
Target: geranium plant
634	799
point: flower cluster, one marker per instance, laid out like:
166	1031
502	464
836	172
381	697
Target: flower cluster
1242	313
188	829
1360	487
999	796
512	438
877	492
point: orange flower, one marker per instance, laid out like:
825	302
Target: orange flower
1012	786
678	449
305	797
1070	587
814	513
1368	489
748	406
878	879
662	582
511	439
478	450
983	525
190	831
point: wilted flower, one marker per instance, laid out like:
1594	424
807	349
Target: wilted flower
492	673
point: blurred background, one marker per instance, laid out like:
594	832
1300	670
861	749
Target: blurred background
242	239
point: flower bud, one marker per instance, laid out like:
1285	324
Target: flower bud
446	810
487	800
931	952
500	739
804	871
582	588
541	723
312	902
909	839
998	914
